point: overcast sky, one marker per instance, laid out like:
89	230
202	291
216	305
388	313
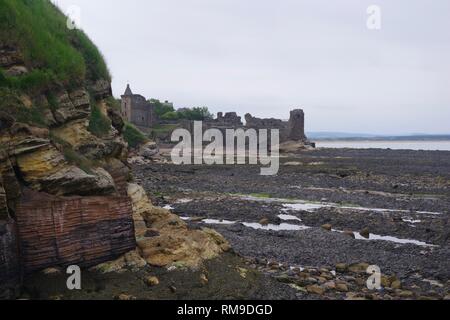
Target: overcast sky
268	57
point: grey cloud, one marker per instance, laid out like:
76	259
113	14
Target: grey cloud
266	57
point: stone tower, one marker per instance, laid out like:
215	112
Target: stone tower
127	99
296	126
137	110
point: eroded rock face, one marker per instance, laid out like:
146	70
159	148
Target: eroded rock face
101	89
47	149
9	260
168	241
61	231
76	133
11	60
3	203
149	150
39	156
116	119
12	189
43	168
74	181
73	106
16	71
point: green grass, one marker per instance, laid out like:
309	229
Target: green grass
261	195
34	81
3	80
12	105
99	124
72	156
114	103
164	128
79	160
52	101
133	135
161	131
38	29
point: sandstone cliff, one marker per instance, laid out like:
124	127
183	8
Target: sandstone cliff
62	156
65	196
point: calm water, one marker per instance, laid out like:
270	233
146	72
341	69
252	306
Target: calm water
394	145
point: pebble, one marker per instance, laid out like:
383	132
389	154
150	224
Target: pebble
197	219
204	279
315	289
426	298
365	233
406	294
125	297
341	267
354	296
152	281
385	282
350	234
350	279
51	271
358	267
396	284
311	280
321	279
327	276
327	227
342	287
330	285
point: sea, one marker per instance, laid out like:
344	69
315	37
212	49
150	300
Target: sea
388	144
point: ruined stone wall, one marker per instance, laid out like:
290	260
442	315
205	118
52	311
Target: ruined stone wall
258	123
292	130
60	231
230	119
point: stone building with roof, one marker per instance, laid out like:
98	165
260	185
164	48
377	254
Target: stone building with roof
137	110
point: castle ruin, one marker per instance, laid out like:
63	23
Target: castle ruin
140	112
291	130
137	110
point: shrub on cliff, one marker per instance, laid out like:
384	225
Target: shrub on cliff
99	124
38	29
197	113
133	136
161	108
3	80
12	105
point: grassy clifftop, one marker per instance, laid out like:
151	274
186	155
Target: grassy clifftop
51	51
51	75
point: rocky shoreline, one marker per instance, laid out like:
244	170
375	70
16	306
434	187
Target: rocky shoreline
325	217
